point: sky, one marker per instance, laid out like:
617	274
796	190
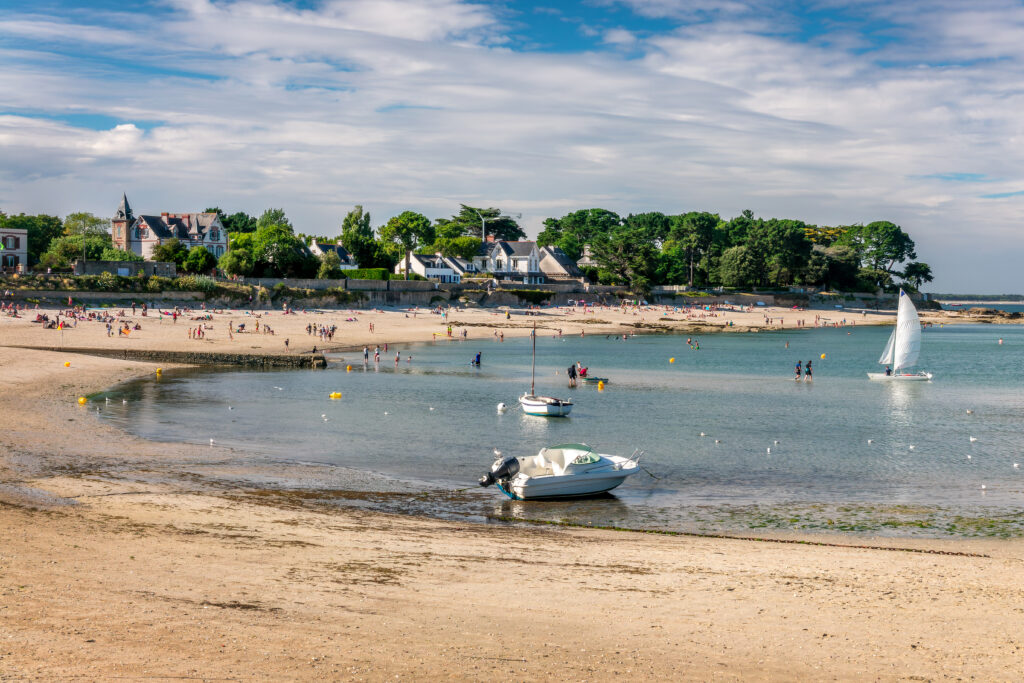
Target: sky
832	112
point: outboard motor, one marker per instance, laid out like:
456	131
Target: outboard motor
501	470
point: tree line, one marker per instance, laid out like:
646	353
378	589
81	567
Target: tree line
641	250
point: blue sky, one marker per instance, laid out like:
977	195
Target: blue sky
831	112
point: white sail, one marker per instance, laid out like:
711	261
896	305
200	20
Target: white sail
886	357
907	344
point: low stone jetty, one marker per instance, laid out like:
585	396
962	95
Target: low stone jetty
259	360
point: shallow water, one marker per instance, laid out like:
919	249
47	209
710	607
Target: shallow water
433	423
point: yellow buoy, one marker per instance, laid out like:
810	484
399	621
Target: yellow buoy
348	368
600	386
671	360
67	364
82	400
336	394
823	356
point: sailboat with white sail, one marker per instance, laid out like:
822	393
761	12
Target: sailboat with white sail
545	406
903	348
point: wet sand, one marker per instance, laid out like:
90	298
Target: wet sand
126	558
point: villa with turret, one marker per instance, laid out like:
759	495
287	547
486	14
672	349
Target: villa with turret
143	233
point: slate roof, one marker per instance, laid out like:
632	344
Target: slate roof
342	252
184	226
519	248
554	261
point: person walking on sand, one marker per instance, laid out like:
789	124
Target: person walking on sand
286	345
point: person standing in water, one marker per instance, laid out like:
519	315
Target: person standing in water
476	360
799	370
572	375
807	372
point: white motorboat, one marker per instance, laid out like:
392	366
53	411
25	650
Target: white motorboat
544	406
903	348
564	471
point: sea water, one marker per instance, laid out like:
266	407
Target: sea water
836	453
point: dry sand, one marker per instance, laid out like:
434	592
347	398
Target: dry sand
122	558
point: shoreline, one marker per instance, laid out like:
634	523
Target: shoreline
142	559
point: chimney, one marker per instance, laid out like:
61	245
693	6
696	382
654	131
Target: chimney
490	238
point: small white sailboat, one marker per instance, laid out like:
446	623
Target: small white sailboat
544	406
903	348
564	471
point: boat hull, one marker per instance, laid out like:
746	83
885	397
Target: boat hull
916	377
545	407
576	486
594	380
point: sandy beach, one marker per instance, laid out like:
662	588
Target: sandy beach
130	559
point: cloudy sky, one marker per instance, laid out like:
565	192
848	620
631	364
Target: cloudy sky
836	112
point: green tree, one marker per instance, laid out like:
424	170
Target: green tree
171	251
114	254
672	264
42	229
468	222
627	254
199	260
67	249
357	237
84	223
277	252
407	230
236	222
880	246
236	261
653	226
461	247
574	230
272	217
917	273
739	267
695	232
330	266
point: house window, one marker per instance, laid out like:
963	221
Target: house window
10	260
498	264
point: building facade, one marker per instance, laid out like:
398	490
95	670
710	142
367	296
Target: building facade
14	255
144	233
433	267
515	262
556	264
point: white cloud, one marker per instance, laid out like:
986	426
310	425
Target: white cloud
400	105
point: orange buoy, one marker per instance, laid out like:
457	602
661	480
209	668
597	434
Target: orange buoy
82	400
67	364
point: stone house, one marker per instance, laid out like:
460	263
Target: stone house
143	233
14	254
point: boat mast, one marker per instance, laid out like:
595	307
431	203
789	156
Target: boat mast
533	361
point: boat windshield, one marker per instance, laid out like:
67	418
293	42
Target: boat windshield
586	458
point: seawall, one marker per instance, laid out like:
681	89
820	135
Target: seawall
296	360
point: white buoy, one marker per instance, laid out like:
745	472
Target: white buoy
431	407
211	442
973	439
871	440
970	412
776	442
769	451
968	457
230	408
982	487
703	434
718	441
1016	465
502	407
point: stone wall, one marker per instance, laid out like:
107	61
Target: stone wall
296	360
151	298
161	268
